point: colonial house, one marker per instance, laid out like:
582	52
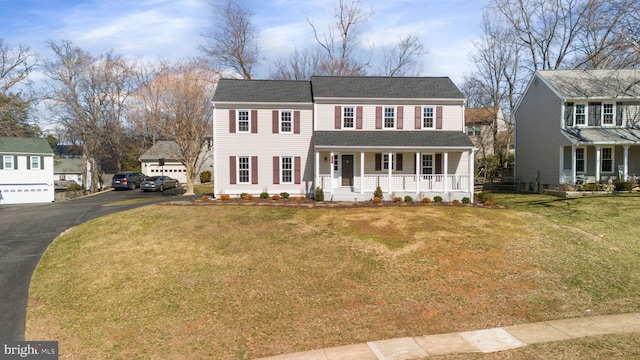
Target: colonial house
162	158
26	171
578	125
346	135
479	123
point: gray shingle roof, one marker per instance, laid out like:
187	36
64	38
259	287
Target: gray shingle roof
405	139
18	145
162	149
277	91
385	87
603	135
583	84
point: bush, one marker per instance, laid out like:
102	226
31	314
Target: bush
456	202
74	187
319	195
276	197
378	192
205	176
246	196
437	198
623	186
426	200
264	195
591	187
483	197
397	199
225	197
465	200
284	194
408	198
377	200
488	203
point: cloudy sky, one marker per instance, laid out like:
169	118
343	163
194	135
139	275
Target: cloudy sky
171	29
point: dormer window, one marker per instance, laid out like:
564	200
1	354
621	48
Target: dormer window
581	114
607	114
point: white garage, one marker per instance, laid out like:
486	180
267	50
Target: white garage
26	171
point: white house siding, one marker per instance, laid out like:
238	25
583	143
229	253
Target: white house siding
24	186
265	145
538	122
451	115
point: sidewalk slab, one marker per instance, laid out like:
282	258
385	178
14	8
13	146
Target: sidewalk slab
397	349
536	333
305	355
350	352
443	344
579	327
491	340
621	323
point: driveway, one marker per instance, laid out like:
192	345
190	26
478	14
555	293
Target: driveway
25	233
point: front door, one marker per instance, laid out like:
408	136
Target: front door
347	170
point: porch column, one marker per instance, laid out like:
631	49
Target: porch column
418	166
391	164
362	172
331	173
445	167
573	164
625	167
597	164
316	171
472	183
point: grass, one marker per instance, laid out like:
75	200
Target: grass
245	282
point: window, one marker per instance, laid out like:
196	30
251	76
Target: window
607	114
581	114
385	162
427	164
580	160
35	162
8	162
427	118
347	117
607	159
243	121
286	169
473	130
244	170
389	117
286	124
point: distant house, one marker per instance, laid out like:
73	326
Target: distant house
169	152
346	135
578	125
26	171
68	169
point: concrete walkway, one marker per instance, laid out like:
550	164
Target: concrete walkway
485	341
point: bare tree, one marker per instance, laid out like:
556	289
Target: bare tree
301	65
145	113
340	42
232	41
185	93
404	58
16	63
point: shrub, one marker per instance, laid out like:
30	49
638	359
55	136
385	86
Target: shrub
590	187
426	200
319	195
225	197
483	197
74	187
488	203
264	195
456	202
284	194
623	186
465	200
243	195
408	198
276	197
397	199
205	176
377	200
378	192
437	198
246	196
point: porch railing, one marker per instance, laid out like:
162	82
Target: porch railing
405	183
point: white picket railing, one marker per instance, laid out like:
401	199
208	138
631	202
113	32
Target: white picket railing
406	183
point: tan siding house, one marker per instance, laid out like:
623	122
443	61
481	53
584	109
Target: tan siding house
348	136
574	126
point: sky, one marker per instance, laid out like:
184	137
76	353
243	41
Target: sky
172	29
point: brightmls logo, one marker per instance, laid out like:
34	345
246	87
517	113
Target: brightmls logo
36	350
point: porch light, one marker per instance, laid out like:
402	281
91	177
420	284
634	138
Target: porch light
325	159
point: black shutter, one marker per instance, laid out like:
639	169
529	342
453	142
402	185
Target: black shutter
619	113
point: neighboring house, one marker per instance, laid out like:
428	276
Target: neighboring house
479	126
26	171
578	124
169	151
346	135
68	169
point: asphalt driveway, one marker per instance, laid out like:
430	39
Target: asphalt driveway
25	233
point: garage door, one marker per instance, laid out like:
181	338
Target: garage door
25	194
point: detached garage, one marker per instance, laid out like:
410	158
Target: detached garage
26	171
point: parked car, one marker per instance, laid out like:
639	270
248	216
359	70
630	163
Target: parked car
159	183
127	180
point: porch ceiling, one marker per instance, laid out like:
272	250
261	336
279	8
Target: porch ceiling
603	136
392	139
